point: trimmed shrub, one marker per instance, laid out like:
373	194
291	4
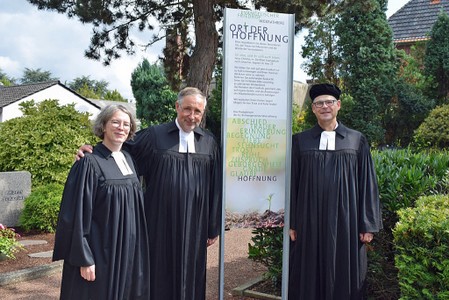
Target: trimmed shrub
403	177
44	141
42	208
422	241
434	132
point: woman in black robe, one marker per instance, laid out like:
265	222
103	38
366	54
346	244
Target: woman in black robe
102	232
181	167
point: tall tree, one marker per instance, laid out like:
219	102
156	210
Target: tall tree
114	96
114	20
89	88
94	89
320	50
436	59
36	75
155	101
369	64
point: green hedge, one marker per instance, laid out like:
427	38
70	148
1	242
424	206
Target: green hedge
44	140
434	132
42	208
403	177
422	241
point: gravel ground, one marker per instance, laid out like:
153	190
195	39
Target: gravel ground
238	270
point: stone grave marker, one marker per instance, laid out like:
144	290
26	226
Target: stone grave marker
14	188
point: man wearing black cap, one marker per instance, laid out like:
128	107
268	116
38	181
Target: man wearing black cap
334	205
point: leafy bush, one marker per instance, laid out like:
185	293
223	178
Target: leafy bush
44	141
42	208
267	245
422	240
434	132
8	241
403	177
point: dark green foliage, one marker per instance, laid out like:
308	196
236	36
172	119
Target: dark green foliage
42	208
411	69
155	100
267	249
410	103
44	140
267	245
213	114
422	241
434	131
319	50
405	113
436	61
368	64
403	177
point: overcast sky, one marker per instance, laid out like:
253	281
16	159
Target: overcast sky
34	39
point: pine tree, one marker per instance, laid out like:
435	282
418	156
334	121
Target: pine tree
436	60
155	101
368	64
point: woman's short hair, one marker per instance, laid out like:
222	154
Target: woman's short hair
106	114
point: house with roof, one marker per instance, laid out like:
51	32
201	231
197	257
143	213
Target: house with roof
12	96
414	21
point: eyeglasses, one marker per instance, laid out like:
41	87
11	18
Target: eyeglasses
328	103
117	124
189	110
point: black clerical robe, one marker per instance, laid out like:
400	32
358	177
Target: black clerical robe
183	207
102	223
334	197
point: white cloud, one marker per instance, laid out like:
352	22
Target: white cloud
7	63
34	39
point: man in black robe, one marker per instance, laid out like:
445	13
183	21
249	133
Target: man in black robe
334	205
181	167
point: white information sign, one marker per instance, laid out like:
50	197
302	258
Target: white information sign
257	108
258	62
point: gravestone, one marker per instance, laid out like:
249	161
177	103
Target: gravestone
14	188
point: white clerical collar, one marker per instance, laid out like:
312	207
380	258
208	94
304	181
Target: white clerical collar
121	162
186	140
327	140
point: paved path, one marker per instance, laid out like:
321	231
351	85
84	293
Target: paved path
238	270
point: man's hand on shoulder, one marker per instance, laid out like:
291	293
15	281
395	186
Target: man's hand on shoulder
81	150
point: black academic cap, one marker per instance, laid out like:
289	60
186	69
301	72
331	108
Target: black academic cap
324	89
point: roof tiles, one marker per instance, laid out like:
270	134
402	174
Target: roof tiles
414	21
11	94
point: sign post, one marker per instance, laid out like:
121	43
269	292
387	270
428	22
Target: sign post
257	109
